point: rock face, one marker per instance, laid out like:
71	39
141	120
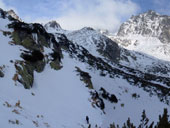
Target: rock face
52	26
13	14
85	77
35	39
146	33
149	24
98	44
1	74
111	97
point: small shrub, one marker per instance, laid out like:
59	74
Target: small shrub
163	120
18	104
7	104
122	105
15	111
35	123
17	122
134	95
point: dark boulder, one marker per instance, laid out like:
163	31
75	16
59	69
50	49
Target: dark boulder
112	98
1	74
33	57
104	93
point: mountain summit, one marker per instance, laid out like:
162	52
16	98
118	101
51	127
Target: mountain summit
13	14
150	24
52	26
147	33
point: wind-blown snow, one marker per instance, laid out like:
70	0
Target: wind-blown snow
88	38
148	45
60	97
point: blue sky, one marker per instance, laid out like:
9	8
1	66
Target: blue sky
75	14
160	6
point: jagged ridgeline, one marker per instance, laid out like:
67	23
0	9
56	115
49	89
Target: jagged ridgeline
148	24
34	38
133	76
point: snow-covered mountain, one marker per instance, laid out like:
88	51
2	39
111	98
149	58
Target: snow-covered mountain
147	33
53	26
53	78
101	46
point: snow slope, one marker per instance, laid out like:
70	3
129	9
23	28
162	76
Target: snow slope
97	44
52	102
148	45
60	98
90	39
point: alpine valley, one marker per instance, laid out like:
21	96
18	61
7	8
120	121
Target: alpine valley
54	78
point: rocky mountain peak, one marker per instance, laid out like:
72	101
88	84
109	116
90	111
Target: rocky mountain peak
13	14
87	29
52	25
149	24
151	12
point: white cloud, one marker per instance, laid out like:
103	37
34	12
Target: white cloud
104	14
75	14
